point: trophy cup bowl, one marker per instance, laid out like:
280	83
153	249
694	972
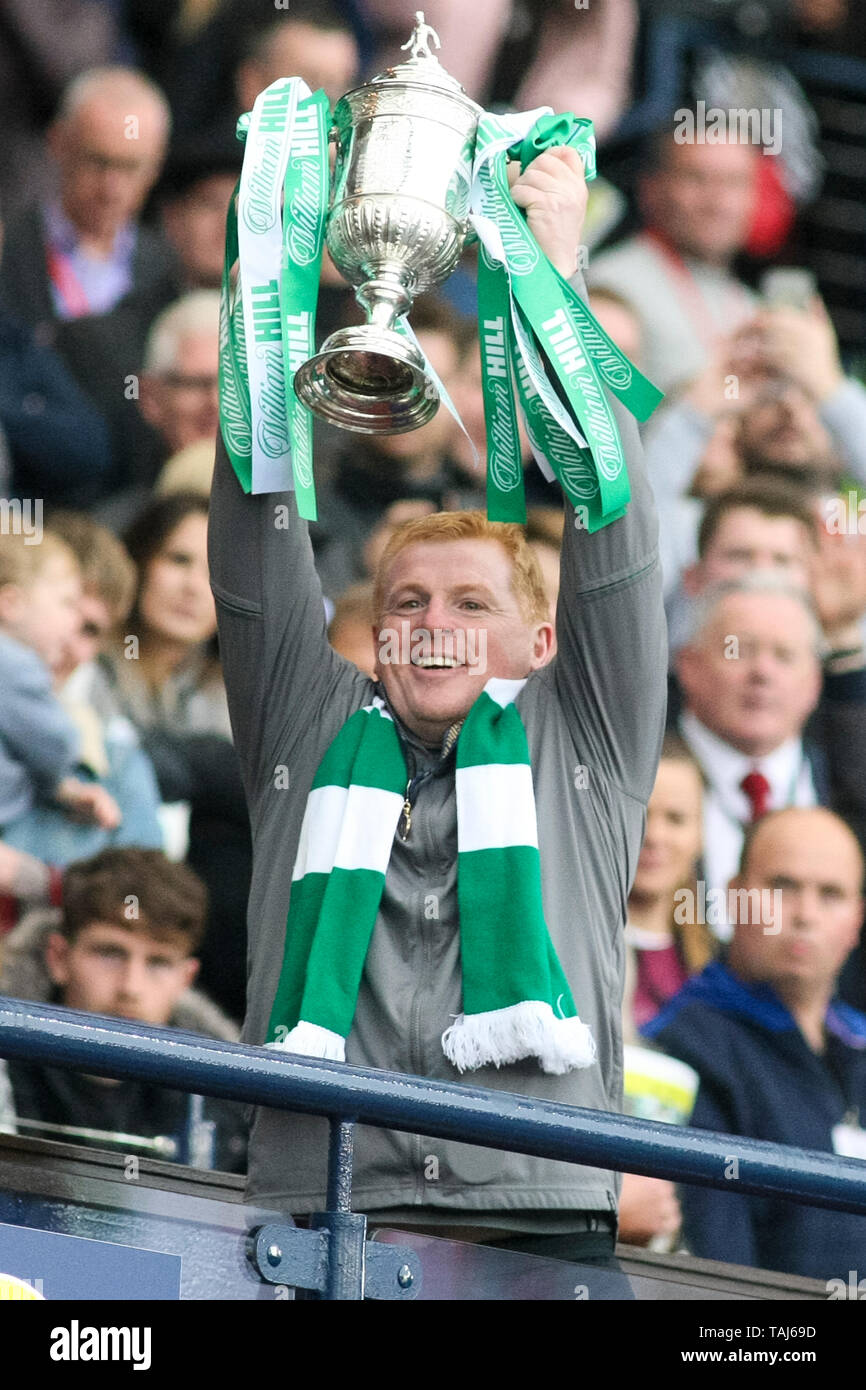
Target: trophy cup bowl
396	227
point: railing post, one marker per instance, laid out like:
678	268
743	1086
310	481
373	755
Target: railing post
347	1231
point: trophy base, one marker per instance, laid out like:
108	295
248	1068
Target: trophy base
370	380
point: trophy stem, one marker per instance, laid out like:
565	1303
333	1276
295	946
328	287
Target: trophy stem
384	299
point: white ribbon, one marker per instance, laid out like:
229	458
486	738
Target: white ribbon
259	252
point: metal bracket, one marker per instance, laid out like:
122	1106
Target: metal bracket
300	1259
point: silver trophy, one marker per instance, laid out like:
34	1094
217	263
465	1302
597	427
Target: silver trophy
396	227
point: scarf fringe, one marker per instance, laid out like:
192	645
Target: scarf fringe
310	1040
528	1029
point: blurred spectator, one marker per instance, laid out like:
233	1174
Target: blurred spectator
105	352
179	382
350	631
317	46
665	950
762	523
81	253
165	670
97	956
750	675
777	392
165	677
619	319
544	526
392	517
529	53
189	470
53	443
218	74
780	1059
40	747
38	58
177	397
108	746
696	202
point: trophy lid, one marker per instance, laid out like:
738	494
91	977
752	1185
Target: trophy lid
422	65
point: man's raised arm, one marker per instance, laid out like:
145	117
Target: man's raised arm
276	658
610	670
611	662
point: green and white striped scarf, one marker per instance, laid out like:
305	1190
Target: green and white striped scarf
516	999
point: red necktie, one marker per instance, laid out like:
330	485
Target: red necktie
757	789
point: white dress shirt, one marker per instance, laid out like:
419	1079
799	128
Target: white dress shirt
727	810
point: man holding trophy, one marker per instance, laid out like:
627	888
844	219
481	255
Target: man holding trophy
442	857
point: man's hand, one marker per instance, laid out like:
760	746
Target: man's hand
737	358
648	1207
839	589
552	191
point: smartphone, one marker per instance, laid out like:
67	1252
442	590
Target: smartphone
788	287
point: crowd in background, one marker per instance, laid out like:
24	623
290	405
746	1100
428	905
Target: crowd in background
117	165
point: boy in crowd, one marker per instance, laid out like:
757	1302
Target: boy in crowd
124	944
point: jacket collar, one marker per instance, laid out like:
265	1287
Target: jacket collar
719	988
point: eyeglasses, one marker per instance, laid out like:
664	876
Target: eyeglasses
179	382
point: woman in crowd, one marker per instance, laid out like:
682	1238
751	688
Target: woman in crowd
665	942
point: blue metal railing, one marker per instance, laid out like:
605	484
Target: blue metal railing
495	1119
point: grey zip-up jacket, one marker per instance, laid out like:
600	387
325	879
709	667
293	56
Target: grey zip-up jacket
594	719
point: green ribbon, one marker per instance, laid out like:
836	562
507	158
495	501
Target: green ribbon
525	306
548	312
305	202
506	500
234	387
551	131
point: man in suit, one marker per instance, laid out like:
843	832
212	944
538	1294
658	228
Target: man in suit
751	675
82	252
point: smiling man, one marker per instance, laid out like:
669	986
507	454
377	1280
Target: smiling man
463	854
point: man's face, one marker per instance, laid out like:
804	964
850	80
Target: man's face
183	405
456	597
782	429
109	158
703	198
85	644
746	540
323	59
110	970
752	676
814	861
195	225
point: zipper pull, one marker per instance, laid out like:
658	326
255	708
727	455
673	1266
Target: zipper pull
406	814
